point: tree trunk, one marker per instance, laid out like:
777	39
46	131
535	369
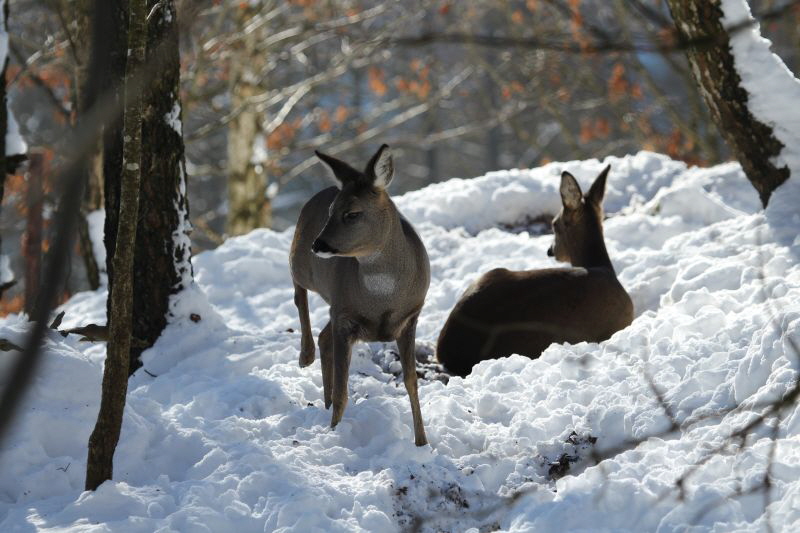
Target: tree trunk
8	162
162	253
105	436
3	130
248	205
32	241
93	198
753	142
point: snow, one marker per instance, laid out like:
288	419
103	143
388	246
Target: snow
173	118
182	243
15	144
6	274
772	88
96	221
231	435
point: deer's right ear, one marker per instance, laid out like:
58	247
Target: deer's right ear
381	167
340	171
598	188
571	194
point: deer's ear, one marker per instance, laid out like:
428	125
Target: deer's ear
340	171
380	168
598	188
571	195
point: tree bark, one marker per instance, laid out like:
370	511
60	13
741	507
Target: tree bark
248	205
8	162
162	252
104	438
32	242
3	121
753	142
93	197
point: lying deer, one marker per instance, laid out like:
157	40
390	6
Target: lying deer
354	248
506	312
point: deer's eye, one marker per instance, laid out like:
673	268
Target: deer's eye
352	215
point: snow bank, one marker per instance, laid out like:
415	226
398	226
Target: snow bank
232	436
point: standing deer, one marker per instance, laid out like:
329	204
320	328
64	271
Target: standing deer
354	248
506	312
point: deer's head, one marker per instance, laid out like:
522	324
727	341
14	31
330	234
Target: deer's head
578	228
360	217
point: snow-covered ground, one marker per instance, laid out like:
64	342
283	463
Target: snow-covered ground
231	435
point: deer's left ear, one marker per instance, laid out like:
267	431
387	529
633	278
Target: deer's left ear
380	168
598	188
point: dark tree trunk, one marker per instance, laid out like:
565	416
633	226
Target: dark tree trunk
8	162
105	436
93	198
32	241
3	124
753	142
162	253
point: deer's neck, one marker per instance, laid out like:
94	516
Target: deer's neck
382	272
593	253
392	248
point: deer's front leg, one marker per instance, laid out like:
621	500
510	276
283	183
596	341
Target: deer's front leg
343	337
326	358
405	344
306	339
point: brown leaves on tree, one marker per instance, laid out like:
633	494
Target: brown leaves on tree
283	135
592	129
376	83
617	84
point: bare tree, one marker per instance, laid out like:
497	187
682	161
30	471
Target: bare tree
753	142
162	264
9	159
93	199
248	205
104	438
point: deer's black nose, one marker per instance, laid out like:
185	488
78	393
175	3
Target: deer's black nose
321	247
550	251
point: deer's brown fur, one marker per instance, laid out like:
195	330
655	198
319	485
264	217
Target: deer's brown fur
506	312
354	248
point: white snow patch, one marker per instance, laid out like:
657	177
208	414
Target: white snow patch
96	221
259	155
6	274
233	436
173	118
15	144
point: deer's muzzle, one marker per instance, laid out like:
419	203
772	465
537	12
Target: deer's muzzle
322	249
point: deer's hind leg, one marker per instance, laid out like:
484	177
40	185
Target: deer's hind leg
405	345
306	339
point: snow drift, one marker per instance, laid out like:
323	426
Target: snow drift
232	436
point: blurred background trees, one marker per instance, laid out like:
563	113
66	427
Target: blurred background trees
458	88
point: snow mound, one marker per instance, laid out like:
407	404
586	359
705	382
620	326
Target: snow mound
231	435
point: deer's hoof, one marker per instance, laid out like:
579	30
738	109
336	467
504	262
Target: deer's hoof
420	441
336	417
306	359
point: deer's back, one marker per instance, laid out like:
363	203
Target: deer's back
506	312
